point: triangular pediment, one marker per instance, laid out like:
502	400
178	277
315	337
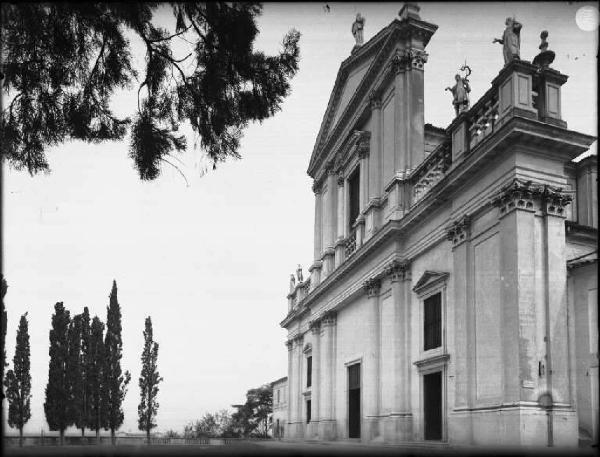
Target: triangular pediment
357	77
430	279
351	74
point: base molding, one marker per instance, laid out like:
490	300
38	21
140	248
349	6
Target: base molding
327	429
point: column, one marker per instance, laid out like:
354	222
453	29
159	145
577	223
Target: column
315	268
327	429
370	382
340	243
315	329
399	424
290	390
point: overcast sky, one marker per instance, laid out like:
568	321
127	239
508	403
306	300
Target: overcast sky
210	262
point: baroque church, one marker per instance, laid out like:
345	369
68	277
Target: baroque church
453	292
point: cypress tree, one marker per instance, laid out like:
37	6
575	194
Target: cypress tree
149	380
95	378
74	371
84	405
57	390
18	381
116	381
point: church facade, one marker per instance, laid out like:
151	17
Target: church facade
452	296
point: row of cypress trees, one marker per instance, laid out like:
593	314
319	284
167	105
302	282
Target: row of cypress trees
86	385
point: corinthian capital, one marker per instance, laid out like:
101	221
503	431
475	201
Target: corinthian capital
372	287
459	230
406	59
397	271
375	99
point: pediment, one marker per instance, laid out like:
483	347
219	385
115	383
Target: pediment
353	71
360	75
430	279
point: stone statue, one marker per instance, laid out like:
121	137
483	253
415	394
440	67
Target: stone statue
460	91
511	40
357	29
299	273
292	283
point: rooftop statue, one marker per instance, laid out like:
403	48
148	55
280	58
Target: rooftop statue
292	283
357	29
299	273
460	91
511	40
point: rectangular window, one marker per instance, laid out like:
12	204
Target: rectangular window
432	333
354	197
308	404
278	392
309	371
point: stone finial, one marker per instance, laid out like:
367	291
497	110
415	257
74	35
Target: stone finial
545	57
299	273
410	10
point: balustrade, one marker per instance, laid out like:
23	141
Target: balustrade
350	243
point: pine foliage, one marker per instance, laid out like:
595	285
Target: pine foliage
65	61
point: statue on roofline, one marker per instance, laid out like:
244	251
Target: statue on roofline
460	91
511	40
357	29
292	283
299	274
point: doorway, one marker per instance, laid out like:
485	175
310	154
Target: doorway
354	401
432	402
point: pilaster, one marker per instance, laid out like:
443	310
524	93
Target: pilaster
458	233
408	66
327	428
372	216
534	315
398	427
299	420
315	328
290	390
371	379
340	245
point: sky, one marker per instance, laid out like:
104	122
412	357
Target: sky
210	260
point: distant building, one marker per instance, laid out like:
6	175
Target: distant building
280	396
453	294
